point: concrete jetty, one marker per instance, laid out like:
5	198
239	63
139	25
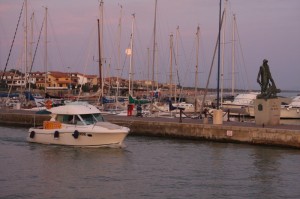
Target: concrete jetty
234	132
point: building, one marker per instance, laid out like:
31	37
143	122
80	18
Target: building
13	78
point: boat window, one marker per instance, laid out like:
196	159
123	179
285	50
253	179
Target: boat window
66	119
77	120
99	117
88	118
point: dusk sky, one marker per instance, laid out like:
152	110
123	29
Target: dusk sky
266	29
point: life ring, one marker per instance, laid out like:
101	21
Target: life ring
56	135
48	104
75	134
32	134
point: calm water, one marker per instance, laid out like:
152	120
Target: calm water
146	168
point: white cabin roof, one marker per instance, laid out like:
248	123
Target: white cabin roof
74	109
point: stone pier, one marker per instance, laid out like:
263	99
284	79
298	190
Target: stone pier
195	129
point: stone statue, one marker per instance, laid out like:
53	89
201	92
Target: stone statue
266	82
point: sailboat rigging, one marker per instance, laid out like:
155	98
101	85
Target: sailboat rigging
197	67
211	66
3	84
100	49
171	65
46	50
130	53
119	52
154	44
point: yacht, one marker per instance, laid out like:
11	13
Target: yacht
78	125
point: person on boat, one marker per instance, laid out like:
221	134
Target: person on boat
266	82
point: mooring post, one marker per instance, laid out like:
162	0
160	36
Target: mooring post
228	115
180	116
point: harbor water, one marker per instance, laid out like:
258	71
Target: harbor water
146	168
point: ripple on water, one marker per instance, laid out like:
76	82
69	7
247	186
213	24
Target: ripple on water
146	168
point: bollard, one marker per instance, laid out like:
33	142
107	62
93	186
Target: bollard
228	115
180	115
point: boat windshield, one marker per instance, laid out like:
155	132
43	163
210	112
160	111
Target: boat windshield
92	118
98	117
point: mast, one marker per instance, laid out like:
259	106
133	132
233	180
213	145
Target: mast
46	51
233	58
176	62
130	88
26	44
197	66
119	51
171	64
100	46
2	82
223	52
154	44
148	74
211	66
31	48
99	56
219	52
156	66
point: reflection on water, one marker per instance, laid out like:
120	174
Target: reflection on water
146	168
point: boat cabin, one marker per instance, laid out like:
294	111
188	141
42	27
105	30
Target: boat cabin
76	114
83	119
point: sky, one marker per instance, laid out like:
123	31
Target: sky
264	29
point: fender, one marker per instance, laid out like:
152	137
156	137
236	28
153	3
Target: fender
32	134
56	135
76	134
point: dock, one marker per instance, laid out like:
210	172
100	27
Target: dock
194	129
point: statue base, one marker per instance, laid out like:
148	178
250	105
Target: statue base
267	111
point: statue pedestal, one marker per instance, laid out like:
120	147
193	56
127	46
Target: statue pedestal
267	111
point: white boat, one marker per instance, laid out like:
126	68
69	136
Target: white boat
188	107
242	104
292	110
78	125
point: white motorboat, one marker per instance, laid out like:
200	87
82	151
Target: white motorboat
78	125
292	110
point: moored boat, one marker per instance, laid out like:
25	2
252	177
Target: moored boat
242	104
78	125
291	110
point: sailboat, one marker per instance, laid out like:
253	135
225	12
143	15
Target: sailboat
242	103
15	77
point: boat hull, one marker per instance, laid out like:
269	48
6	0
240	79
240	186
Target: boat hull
85	138
236	109
290	113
